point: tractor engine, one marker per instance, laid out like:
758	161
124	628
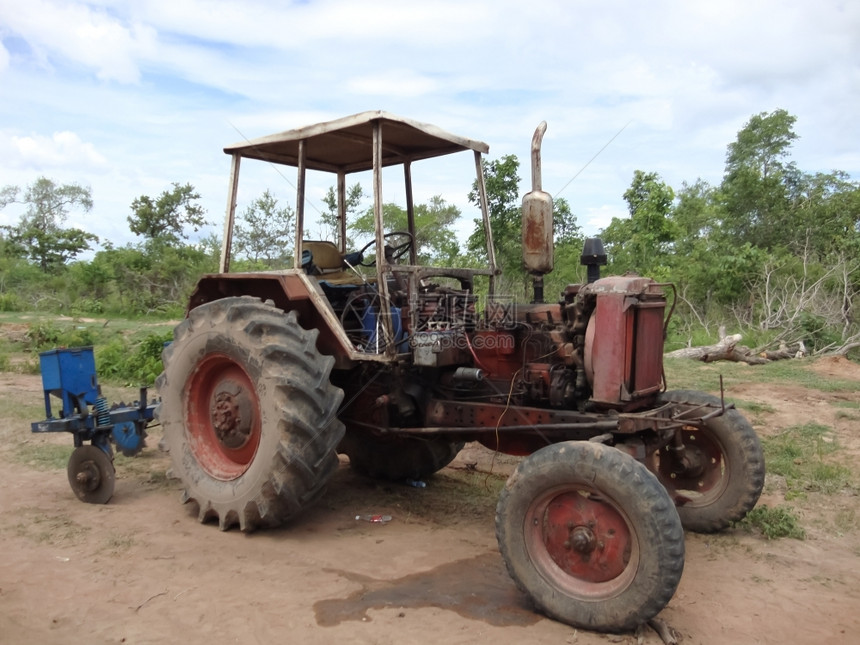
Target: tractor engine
599	348
616	326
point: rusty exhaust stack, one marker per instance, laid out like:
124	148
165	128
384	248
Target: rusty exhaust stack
537	223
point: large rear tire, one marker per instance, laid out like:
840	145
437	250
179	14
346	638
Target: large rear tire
723	476
396	458
591	536
248	412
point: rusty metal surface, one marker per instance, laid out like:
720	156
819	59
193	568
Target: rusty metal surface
537	239
624	348
342	145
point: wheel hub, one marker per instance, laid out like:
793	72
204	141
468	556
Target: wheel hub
585	536
582	539
230	414
88	476
698	469
222	416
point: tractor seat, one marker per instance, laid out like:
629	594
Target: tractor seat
323	260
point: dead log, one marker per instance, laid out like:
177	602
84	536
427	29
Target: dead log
729	350
707	352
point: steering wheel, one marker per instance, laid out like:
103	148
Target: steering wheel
397	251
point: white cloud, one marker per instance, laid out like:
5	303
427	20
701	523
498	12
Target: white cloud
599	218
61	150
157	85
63	32
400	81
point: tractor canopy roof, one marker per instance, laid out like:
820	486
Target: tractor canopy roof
346	145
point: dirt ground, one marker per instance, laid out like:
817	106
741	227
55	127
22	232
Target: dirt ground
141	569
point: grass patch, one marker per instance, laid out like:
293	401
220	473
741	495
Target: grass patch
753	407
851	416
846	521
774	523
852	405
44	456
800	455
118	543
13	408
684	373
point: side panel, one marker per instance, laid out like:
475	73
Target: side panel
611	349
624	341
648	358
289	290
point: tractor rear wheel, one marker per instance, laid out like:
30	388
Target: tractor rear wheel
722	475
397	458
249	413
591	535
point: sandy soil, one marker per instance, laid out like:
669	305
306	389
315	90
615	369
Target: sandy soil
141	569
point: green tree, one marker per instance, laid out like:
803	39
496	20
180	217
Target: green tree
565	228
642	242
165	218
502	181
568	249
328	218
435	240
39	234
827	207
755	188
265	232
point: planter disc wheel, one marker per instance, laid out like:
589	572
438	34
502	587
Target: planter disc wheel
591	536
248	412
722	475
91	474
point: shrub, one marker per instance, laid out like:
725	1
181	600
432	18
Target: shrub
776	522
135	364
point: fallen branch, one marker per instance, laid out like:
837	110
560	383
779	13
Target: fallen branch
707	352
729	350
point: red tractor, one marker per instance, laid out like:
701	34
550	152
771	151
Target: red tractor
396	365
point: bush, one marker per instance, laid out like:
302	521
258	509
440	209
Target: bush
11	302
774	523
42	336
134	364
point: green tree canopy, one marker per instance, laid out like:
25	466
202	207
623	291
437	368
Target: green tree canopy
755	188
264	233
435	240
353	198
166	217
502	182
39	235
642	242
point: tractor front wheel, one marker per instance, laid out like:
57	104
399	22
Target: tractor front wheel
248	412
591	536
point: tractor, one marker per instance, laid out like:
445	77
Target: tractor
370	354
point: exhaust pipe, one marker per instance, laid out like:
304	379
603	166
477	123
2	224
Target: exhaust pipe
537	223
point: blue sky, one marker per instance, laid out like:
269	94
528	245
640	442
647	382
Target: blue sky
127	97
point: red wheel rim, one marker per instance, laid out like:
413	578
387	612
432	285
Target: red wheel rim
705	479
580	540
222	417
